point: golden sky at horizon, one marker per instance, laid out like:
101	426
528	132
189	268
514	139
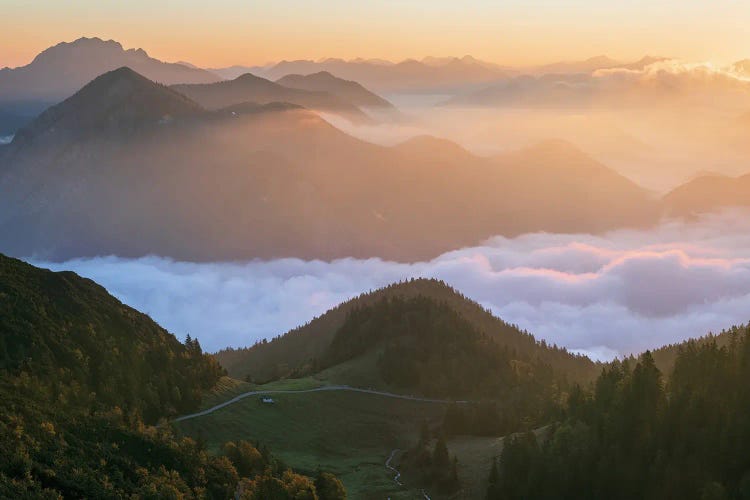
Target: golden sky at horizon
513	32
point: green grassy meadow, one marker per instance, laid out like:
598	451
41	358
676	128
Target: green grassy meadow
349	434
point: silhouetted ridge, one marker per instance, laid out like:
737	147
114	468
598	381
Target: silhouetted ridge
105	47
59	71
324	81
251	88
708	193
118	101
254	107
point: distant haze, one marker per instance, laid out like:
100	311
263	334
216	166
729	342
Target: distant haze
227	32
622	292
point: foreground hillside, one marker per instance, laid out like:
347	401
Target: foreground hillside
348	433
85	347
267	181
637	426
642	433
82	376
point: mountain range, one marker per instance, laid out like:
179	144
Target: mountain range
251	88
324	81
407	388
451	75
59	71
287	183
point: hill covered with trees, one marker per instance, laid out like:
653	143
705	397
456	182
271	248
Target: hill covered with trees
82	376
71	342
422	337
639	434
307	349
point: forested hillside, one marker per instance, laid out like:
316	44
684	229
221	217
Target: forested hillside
71	342
640	434
303	349
81	376
422	337
426	347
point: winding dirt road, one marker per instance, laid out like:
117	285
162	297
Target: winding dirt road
324	388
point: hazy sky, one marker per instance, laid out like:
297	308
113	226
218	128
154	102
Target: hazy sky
225	32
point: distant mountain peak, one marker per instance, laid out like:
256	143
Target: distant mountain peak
140	52
118	100
325	81
323	74
91	41
59	71
119	83
248	77
83	43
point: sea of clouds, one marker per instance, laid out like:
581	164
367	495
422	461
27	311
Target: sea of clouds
604	296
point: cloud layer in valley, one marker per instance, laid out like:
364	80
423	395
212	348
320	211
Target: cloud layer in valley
605	295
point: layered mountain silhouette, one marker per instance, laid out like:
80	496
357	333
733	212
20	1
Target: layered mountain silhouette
708	193
59	71
118	102
324	81
232	72
433	74
127	156
251	88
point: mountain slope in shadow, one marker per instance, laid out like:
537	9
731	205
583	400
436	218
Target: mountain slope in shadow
251	88
127	156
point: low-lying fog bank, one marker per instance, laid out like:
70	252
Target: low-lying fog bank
604	296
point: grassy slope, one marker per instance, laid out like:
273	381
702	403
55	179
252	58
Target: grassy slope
349	434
